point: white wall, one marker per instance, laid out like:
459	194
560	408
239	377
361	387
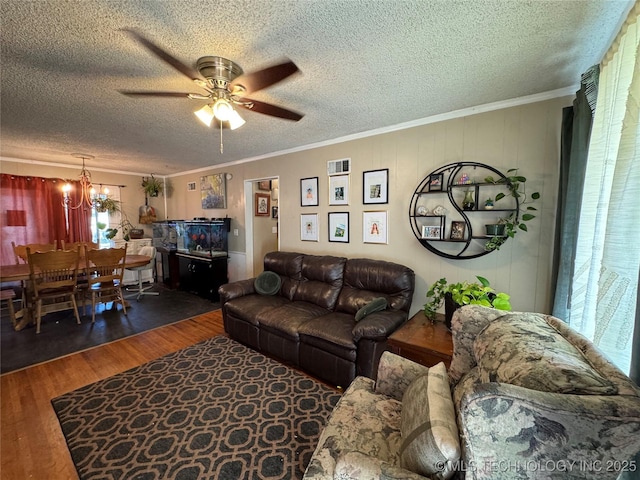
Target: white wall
525	137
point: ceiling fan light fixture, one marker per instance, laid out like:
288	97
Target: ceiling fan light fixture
222	110
235	120
205	114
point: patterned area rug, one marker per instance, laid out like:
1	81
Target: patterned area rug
215	410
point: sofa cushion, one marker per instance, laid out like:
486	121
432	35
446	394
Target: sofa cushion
358	466
249	307
366	279
321	280
289	266
430	442
524	350
334	328
375	305
362	421
267	283
395	374
287	319
467	322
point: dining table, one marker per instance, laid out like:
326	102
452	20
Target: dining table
20	272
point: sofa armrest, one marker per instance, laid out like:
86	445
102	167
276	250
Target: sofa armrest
395	374
504	425
359	466
378	325
232	290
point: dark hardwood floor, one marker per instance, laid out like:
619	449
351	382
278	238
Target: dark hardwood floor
61	335
31	442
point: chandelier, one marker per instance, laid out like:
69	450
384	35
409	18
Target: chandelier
88	191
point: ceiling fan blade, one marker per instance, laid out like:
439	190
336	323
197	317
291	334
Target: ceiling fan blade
254	81
269	109
163	55
145	93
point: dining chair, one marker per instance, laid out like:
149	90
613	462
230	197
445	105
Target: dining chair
82	246
20	251
53	277
148	251
7	296
104	270
82	285
20	254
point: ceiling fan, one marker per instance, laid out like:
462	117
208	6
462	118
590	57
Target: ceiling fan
225	85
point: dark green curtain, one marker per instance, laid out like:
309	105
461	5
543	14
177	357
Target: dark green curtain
576	131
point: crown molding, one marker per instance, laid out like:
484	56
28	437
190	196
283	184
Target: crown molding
74	167
514	102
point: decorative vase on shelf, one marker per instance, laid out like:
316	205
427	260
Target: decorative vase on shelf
495	229
468	202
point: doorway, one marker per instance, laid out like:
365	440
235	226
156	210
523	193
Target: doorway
262	221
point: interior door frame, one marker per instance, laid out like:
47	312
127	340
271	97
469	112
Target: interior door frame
249	217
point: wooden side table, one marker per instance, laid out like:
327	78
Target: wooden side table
422	341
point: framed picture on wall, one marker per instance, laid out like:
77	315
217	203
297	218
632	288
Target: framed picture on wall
457	230
375	186
263	204
374	227
339	227
432	232
309	192
339	190
274	212
213	191
309	227
435	182
264	185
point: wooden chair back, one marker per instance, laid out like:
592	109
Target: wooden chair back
54	270
82	247
105	266
53	275
20	251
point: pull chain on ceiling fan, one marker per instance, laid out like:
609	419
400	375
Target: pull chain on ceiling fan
225	85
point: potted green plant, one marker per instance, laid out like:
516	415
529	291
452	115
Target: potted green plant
152	186
455	295
107	205
507	227
129	231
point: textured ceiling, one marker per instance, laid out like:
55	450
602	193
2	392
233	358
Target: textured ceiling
365	65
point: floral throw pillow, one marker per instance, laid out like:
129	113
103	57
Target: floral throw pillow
430	441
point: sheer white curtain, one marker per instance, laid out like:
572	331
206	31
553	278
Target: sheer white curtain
605	278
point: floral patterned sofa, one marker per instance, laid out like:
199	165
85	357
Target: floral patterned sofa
525	397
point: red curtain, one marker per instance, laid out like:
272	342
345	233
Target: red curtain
32	211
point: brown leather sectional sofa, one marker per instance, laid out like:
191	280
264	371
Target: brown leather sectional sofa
311	322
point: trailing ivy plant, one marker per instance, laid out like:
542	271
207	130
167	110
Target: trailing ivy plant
465	293
512	223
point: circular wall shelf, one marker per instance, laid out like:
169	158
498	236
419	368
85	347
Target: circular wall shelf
443	225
